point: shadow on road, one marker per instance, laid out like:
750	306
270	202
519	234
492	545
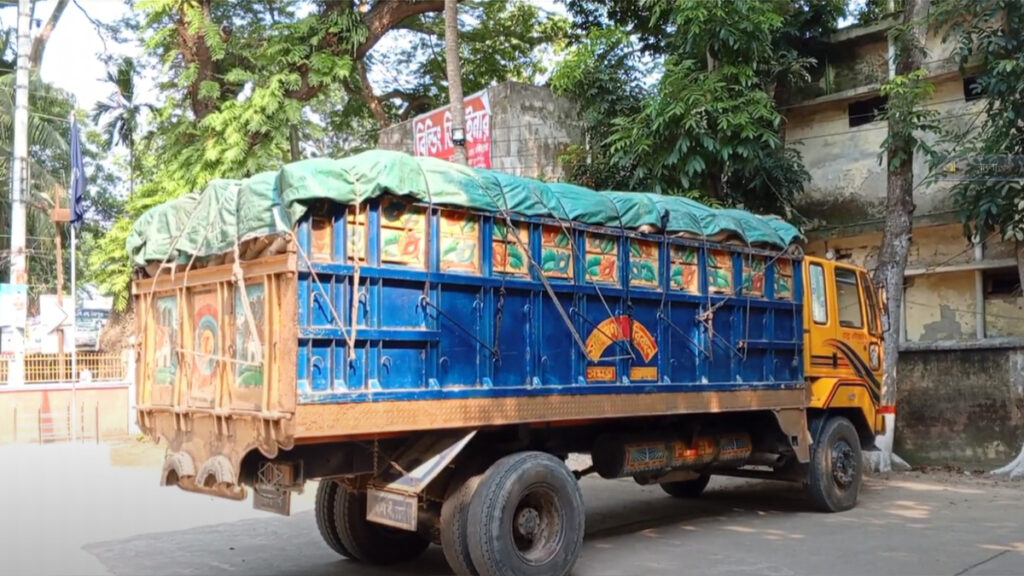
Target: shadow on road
291	546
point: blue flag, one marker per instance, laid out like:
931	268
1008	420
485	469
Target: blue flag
78	182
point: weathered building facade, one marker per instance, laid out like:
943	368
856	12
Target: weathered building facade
526	129
961	373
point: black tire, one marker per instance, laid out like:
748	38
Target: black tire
836	467
687	488
326	494
455	525
526	518
370	542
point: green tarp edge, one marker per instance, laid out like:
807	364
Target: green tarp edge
211	222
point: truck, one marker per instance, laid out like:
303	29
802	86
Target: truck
432	342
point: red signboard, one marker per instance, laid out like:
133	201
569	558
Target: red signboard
432	132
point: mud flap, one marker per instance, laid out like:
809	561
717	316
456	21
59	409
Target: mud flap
393	496
275	482
793	422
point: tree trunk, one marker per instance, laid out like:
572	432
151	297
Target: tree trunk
39	43
892	259
131	169
454	68
1015	469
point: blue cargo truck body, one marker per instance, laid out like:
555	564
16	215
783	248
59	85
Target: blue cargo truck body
432	342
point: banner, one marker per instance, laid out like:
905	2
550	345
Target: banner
432	132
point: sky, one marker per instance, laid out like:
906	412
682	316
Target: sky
72	55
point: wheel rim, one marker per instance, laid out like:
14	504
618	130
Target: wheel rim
537	526
844	465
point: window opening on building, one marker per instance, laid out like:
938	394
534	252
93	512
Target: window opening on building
866	111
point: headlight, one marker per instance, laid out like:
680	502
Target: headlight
874	356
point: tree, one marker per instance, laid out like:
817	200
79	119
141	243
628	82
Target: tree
990	36
710	126
454	68
48	170
906	119
43	36
604	75
122	113
248	85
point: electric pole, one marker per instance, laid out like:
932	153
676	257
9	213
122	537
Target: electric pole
19	183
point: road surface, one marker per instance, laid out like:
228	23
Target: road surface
67	510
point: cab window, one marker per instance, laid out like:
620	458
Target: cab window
819	310
848	299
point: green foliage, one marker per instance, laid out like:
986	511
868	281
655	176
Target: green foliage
603	74
239	79
990	36
709	127
909	119
498	40
870	11
49	133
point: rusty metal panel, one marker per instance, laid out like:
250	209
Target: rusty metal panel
363	418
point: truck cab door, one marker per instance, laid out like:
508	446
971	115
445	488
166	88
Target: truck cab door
821	358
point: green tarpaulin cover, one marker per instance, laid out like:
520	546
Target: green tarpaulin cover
229	211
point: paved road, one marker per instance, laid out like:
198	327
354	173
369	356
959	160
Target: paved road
65	510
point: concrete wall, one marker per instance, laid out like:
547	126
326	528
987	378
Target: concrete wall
940	307
960	399
961	407
847	177
848	180
530	129
22	409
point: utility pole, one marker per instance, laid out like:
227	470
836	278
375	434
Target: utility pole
19	182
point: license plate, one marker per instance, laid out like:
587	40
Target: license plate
390	509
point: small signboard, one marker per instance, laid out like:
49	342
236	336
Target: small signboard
13	305
432	132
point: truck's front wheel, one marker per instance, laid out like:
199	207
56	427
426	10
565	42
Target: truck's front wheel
836	467
370	542
526	518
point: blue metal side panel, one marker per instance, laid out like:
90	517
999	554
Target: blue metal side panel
513	338
556	353
425	333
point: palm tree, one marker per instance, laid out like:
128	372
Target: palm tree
122	112
48	169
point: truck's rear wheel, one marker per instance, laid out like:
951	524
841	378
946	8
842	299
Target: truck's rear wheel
836	467
526	518
687	488
326	495
455	526
370	542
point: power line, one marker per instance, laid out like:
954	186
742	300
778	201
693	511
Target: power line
883	126
961	310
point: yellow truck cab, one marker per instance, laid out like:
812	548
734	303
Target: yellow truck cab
843	343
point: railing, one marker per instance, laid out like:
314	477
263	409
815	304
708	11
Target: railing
48	368
53	425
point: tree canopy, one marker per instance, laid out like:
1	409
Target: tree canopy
990	37
697	89
247	86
